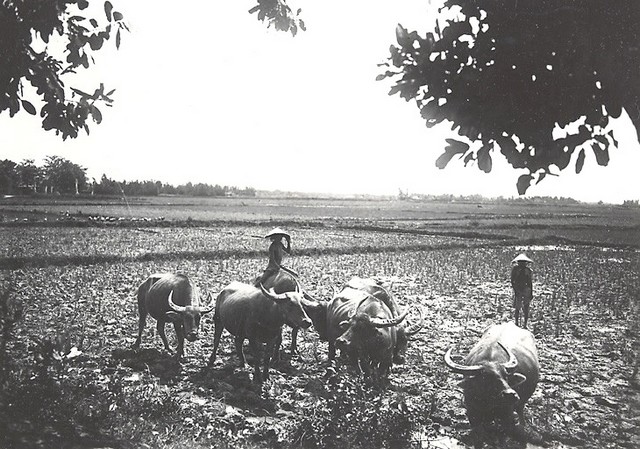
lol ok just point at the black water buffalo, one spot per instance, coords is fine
(522, 284)
(374, 287)
(256, 314)
(500, 374)
(370, 337)
(170, 297)
(342, 308)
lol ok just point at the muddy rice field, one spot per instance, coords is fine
(69, 318)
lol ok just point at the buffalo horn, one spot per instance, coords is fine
(457, 367)
(271, 294)
(513, 362)
(388, 322)
(414, 329)
(366, 296)
(174, 306)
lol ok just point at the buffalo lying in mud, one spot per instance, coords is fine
(256, 314)
(500, 374)
(170, 297)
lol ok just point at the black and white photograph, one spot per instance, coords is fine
(288, 224)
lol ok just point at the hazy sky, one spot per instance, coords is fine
(205, 93)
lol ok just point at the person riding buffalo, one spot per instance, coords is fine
(280, 245)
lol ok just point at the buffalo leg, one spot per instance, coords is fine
(294, 340)
(276, 348)
(217, 333)
(401, 347)
(267, 357)
(383, 373)
(142, 321)
(332, 350)
(257, 349)
(180, 337)
(478, 429)
(163, 336)
(239, 341)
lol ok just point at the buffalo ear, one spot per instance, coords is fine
(516, 379)
(173, 316)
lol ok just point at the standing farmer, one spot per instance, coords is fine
(277, 250)
(522, 283)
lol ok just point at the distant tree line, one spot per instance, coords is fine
(61, 176)
(475, 198)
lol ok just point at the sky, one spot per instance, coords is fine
(206, 93)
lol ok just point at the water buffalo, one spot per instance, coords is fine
(500, 374)
(522, 284)
(343, 305)
(370, 336)
(256, 314)
(170, 297)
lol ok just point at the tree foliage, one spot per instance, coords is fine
(63, 176)
(512, 78)
(279, 14)
(42, 43)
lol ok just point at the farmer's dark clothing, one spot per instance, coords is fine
(277, 249)
(521, 280)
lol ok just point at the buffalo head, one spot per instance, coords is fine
(189, 315)
(489, 386)
(290, 304)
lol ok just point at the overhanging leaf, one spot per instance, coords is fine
(108, 7)
(484, 158)
(454, 147)
(541, 176)
(602, 154)
(28, 107)
(524, 181)
(580, 161)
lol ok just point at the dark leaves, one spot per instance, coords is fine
(278, 14)
(509, 77)
(580, 161)
(108, 7)
(602, 154)
(402, 36)
(484, 158)
(454, 147)
(524, 181)
(28, 107)
(81, 36)
(97, 115)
